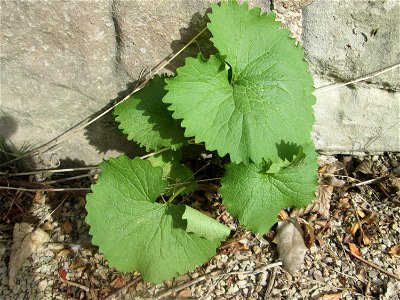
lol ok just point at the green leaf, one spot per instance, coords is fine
(176, 174)
(255, 94)
(146, 119)
(255, 195)
(204, 226)
(135, 233)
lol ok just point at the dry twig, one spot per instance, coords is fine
(124, 288)
(78, 285)
(330, 87)
(215, 275)
(374, 265)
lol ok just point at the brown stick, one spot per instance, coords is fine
(215, 274)
(45, 190)
(78, 285)
(125, 287)
(23, 184)
(374, 266)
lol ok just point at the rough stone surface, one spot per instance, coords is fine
(344, 40)
(357, 120)
(63, 61)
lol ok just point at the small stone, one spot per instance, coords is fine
(233, 289)
(318, 275)
(241, 283)
(223, 258)
(39, 296)
(256, 249)
(21, 296)
(262, 279)
(195, 275)
(47, 226)
(42, 285)
(220, 291)
(394, 226)
(98, 256)
(396, 170)
(329, 260)
(377, 281)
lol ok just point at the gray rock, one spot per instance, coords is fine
(354, 120)
(346, 39)
(64, 61)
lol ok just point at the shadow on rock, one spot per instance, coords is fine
(104, 134)
(202, 44)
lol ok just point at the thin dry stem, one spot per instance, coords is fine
(78, 285)
(334, 86)
(215, 275)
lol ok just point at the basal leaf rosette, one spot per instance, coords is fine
(255, 193)
(135, 233)
(256, 93)
(146, 119)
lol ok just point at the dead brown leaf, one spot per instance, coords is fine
(62, 273)
(77, 263)
(184, 294)
(354, 228)
(291, 247)
(25, 242)
(118, 282)
(395, 250)
(320, 205)
(64, 252)
(365, 167)
(309, 237)
(66, 227)
(235, 246)
(354, 249)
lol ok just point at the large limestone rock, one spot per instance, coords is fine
(344, 40)
(63, 61)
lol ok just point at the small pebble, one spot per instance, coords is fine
(241, 283)
(42, 285)
(233, 289)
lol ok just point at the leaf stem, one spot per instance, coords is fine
(210, 179)
(175, 195)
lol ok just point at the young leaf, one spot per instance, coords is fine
(146, 119)
(203, 226)
(255, 195)
(176, 174)
(255, 94)
(137, 234)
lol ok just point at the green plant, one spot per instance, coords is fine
(253, 101)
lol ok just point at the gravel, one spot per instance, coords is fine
(328, 269)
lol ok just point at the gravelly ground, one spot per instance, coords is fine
(245, 266)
